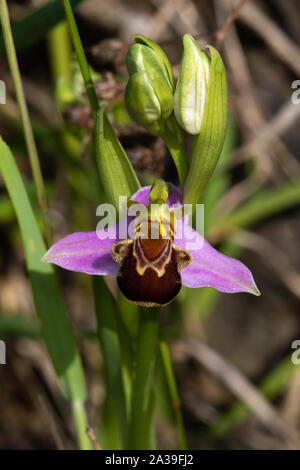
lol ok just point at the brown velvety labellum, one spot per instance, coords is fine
(150, 269)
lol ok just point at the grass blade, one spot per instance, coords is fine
(115, 419)
(57, 331)
(263, 204)
(36, 25)
(81, 57)
(28, 134)
(174, 395)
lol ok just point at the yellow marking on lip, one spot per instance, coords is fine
(142, 263)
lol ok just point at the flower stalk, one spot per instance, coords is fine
(141, 403)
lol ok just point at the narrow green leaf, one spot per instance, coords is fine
(263, 204)
(207, 145)
(173, 391)
(116, 172)
(36, 25)
(80, 54)
(56, 329)
(49, 304)
(27, 129)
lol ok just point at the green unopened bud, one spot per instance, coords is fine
(208, 143)
(191, 88)
(149, 91)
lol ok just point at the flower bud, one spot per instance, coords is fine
(149, 91)
(208, 143)
(191, 87)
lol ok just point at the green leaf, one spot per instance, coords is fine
(36, 25)
(49, 303)
(207, 145)
(220, 181)
(80, 54)
(116, 172)
(263, 204)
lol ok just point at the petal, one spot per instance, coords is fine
(90, 252)
(175, 196)
(85, 252)
(211, 268)
(142, 195)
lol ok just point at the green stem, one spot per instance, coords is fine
(141, 409)
(59, 52)
(173, 137)
(81, 57)
(28, 134)
(110, 346)
(164, 351)
(85, 71)
(79, 417)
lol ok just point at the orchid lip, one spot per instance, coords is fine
(85, 252)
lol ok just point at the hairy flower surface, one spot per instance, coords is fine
(151, 270)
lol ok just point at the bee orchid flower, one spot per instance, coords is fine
(151, 270)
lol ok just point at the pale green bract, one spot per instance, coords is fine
(208, 143)
(116, 173)
(191, 87)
